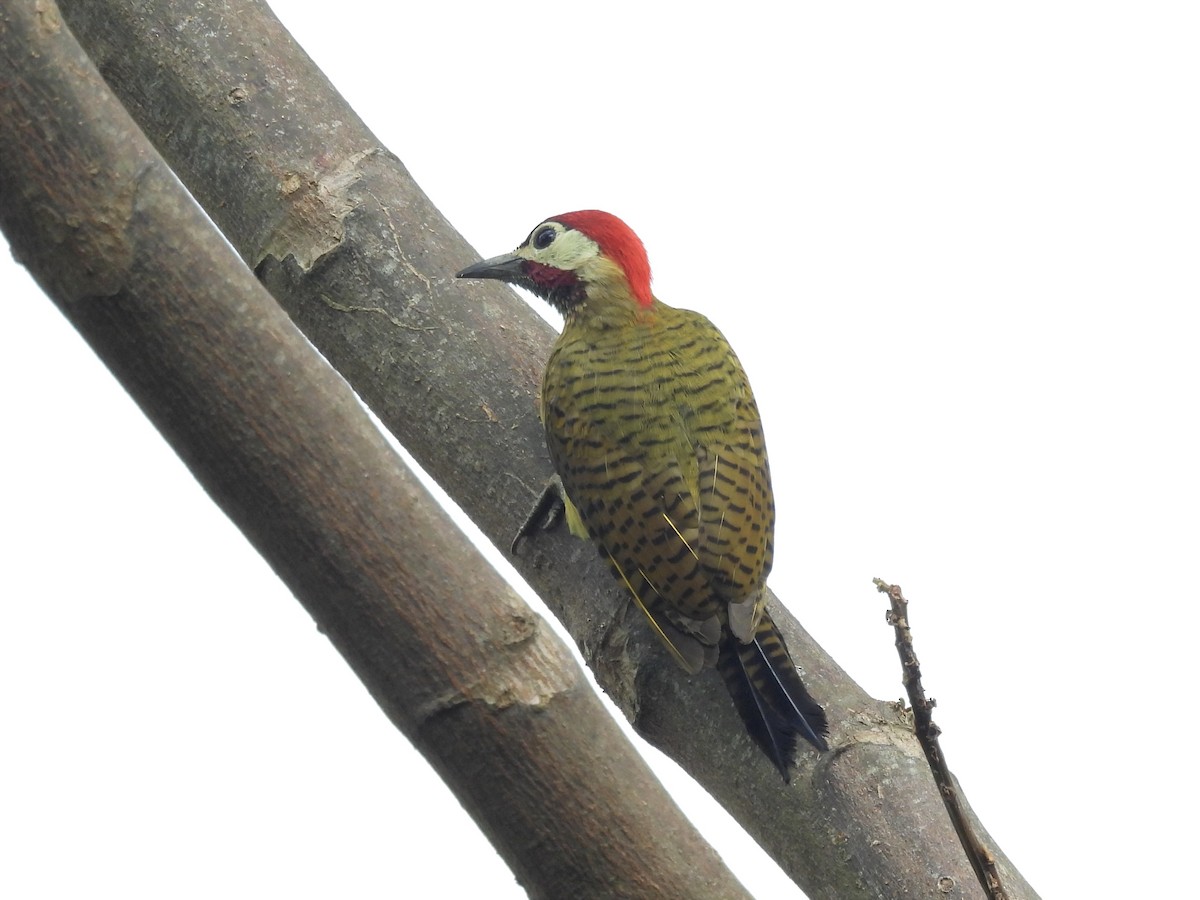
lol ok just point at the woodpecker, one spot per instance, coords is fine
(658, 445)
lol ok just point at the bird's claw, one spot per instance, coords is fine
(546, 513)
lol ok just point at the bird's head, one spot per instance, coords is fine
(575, 258)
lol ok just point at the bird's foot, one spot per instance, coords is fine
(546, 513)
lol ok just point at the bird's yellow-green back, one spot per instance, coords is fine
(654, 431)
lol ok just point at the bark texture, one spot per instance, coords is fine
(363, 262)
(457, 661)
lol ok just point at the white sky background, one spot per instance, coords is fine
(955, 248)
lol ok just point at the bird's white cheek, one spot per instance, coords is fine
(570, 250)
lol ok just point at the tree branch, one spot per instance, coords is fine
(983, 861)
(486, 693)
(362, 261)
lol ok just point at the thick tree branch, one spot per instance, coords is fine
(362, 261)
(457, 661)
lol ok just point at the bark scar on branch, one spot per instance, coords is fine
(531, 678)
(316, 204)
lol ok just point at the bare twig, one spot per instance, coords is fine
(983, 861)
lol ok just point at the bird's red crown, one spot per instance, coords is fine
(618, 242)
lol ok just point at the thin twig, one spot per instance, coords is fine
(983, 861)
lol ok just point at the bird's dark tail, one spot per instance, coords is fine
(770, 696)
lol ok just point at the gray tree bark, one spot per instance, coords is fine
(362, 261)
(459, 663)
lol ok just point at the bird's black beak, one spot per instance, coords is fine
(504, 268)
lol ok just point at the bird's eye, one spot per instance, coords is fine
(544, 238)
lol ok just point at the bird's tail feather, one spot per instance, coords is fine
(770, 695)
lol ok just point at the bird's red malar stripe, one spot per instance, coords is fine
(548, 277)
(619, 243)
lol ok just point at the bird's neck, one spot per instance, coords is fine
(610, 301)
(605, 309)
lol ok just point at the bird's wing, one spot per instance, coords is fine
(644, 515)
(735, 503)
(736, 542)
